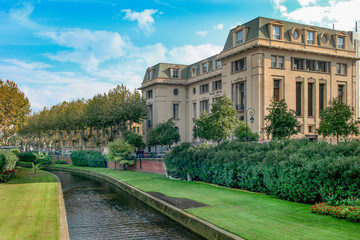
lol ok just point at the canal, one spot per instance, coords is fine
(96, 209)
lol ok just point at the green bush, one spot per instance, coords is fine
(296, 170)
(27, 157)
(7, 165)
(61, 162)
(88, 158)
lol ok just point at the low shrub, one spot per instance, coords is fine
(88, 158)
(61, 162)
(7, 165)
(27, 157)
(350, 213)
(295, 170)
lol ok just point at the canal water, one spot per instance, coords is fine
(96, 209)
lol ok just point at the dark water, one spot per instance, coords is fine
(98, 210)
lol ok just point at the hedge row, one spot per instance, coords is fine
(296, 170)
(7, 165)
(26, 157)
(88, 158)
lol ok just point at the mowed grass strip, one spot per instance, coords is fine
(29, 206)
(246, 214)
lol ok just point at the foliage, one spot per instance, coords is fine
(88, 158)
(349, 213)
(16, 151)
(134, 139)
(337, 120)
(61, 162)
(7, 165)
(44, 159)
(14, 106)
(164, 134)
(120, 150)
(243, 131)
(219, 124)
(296, 170)
(35, 167)
(27, 157)
(280, 122)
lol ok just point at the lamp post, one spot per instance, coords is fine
(251, 112)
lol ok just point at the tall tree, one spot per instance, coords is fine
(164, 134)
(220, 123)
(337, 120)
(281, 122)
(14, 106)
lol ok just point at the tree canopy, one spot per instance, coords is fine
(281, 122)
(243, 131)
(337, 120)
(220, 123)
(164, 134)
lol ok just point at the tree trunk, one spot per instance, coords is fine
(337, 138)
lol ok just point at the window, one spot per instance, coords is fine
(217, 85)
(149, 115)
(310, 37)
(324, 39)
(273, 61)
(341, 93)
(240, 37)
(175, 73)
(195, 110)
(310, 99)
(239, 65)
(194, 90)
(310, 128)
(149, 94)
(204, 67)
(176, 111)
(149, 75)
(341, 42)
(218, 64)
(276, 32)
(310, 65)
(341, 68)
(176, 91)
(298, 98)
(277, 90)
(277, 62)
(321, 97)
(296, 34)
(204, 88)
(298, 129)
(204, 106)
(193, 71)
(238, 96)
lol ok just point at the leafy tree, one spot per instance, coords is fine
(337, 120)
(134, 139)
(220, 123)
(164, 134)
(14, 106)
(118, 152)
(243, 130)
(280, 123)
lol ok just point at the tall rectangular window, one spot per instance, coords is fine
(242, 96)
(149, 116)
(273, 61)
(310, 99)
(175, 73)
(277, 90)
(149, 94)
(218, 64)
(298, 98)
(240, 37)
(204, 88)
(204, 106)
(321, 97)
(276, 32)
(205, 67)
(176, 111)
(341, 42)
(149, 75)
(195, 110)
(310, 37)
(280, 62)
(341, 93)
(217, 85)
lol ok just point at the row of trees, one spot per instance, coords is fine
(102, 117)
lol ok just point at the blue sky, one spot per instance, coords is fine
(59, 50)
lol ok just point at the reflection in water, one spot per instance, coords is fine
(98, 210)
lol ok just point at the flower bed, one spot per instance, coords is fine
(351, 213)
(7, 175)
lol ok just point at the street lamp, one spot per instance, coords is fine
(251, 112)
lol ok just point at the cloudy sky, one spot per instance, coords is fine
(58, 50)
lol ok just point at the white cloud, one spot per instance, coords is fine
(202, 33)
(306, 2)
(190, 54)
(342, 13)
(219, 26)
(144, 18)
(21, 15)
(28, 65)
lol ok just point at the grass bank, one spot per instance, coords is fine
(246, 214)
(29, 206)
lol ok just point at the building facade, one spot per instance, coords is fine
(262, 59)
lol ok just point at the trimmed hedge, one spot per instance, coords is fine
(296, 170)
(7, 165)
(88, 158)
(27, 157)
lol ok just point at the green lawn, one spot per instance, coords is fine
(29, 206)
(249, 215)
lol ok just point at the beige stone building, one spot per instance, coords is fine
(264, 58)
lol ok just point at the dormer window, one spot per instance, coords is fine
(240, 37)
(193, 71)
(296, 34)
(276, 32)
(205, 67)
(175, 73)
(324, 39)
(149, 75)
(218, 64)
(310, 37)
(341, 41)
